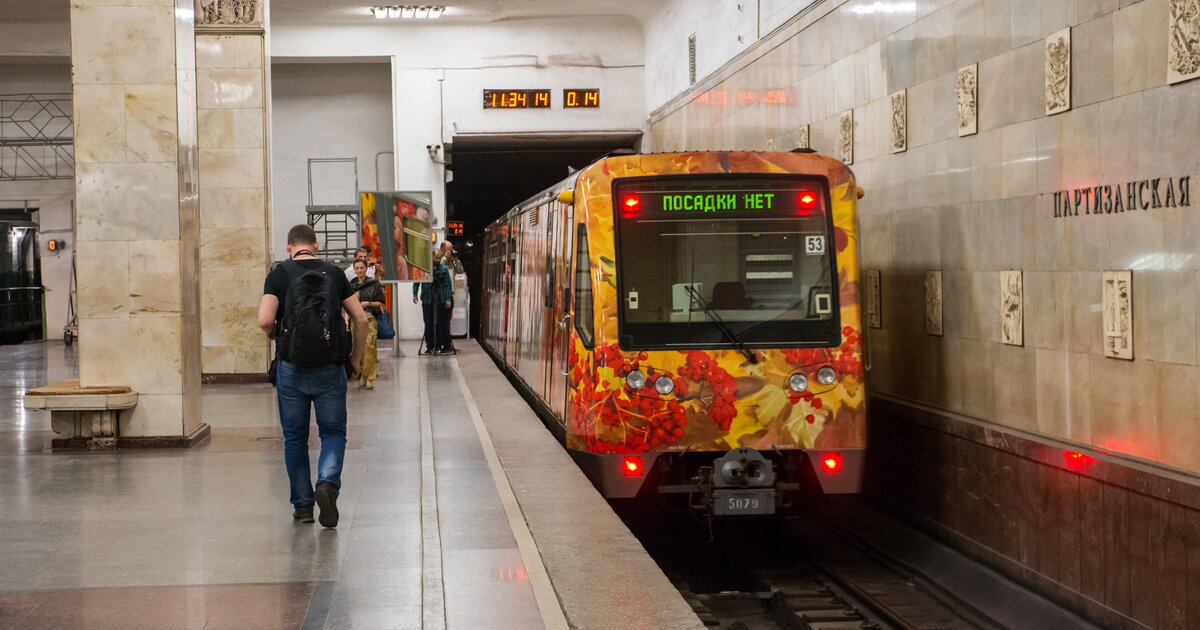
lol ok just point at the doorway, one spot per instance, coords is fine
(21, 291)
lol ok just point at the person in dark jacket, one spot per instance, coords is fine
(370, 295)
(437, 294)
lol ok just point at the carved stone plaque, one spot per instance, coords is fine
(220, 14)
(802, 141)
(1118, 314)
(846, 136)
(1058, 72)
(933, 302)
(899, 121)
(967, 95)
(1012, 309)
(1183, 37)
(874, 299)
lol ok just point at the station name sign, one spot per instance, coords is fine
(1160, 192)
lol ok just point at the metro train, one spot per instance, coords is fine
(689, 325)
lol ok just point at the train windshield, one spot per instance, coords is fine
(725, 261)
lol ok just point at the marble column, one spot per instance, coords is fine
(137, 217)
(232, 81)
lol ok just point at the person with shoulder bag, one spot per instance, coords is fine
(370, 295)
(301, 309)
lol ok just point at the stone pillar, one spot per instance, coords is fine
(233, 100)
(137, 218)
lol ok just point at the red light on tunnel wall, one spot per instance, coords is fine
(631, 466)
(1077, 462)
(831, 463)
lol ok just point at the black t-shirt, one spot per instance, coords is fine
(277, 281)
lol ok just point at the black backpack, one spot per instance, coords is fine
(313, 332)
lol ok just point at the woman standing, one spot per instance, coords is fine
(370, 295)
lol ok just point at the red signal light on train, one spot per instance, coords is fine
(632, 466)
(807, 201)
(831, 463)
(630, 204)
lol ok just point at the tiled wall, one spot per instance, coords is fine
(234, 256)
(972, 207)
(135, 212)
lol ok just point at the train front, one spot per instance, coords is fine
(725, 359)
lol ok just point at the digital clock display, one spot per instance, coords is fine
(516, 99)
(454, 228)
(581, 98)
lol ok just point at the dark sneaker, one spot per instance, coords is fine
(327, 501)
(303, 514)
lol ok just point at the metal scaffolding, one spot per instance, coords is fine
(36, 137)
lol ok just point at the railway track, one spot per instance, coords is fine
(797, 573)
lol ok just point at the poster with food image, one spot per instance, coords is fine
(397, 226)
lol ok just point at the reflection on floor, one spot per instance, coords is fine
(204, 538)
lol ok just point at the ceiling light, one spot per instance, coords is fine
(422, 13)
(393, 12)
(379, 12)
(436, 12)
(408, 12)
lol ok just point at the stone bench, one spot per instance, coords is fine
(82, 416)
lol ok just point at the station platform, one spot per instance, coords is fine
(458, 510)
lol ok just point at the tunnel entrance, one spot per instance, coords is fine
(490, 173)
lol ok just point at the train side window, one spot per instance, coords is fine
(585, 321)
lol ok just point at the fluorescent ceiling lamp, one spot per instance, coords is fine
(408, 12)
(436, 12)
(379, 12)
(422, 13)
(393, 12)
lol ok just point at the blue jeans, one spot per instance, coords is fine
(323, 388)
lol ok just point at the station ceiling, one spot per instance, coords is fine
(470, 11)
(357, 11)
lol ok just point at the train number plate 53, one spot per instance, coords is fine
(734, 502)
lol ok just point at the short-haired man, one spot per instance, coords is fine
(304, 386)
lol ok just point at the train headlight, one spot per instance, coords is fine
(664, 385)
(636, 379)
(798, 382)
(827, 375)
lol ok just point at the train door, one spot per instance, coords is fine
(560, 292)
(512, 308)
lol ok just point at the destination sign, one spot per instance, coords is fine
(800, 201)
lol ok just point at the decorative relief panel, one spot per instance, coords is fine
(802, 141)
(846, 136)
(874, 299)
(1012, 309)
(967, 95)
(1118, 314)
(933, 302)
(1183, 54)
(1058, 72)
(229, 13)
(900, 121)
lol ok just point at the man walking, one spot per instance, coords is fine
(301, 309)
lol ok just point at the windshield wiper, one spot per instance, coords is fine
(720, 324)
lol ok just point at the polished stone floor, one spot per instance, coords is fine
(204, 538)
